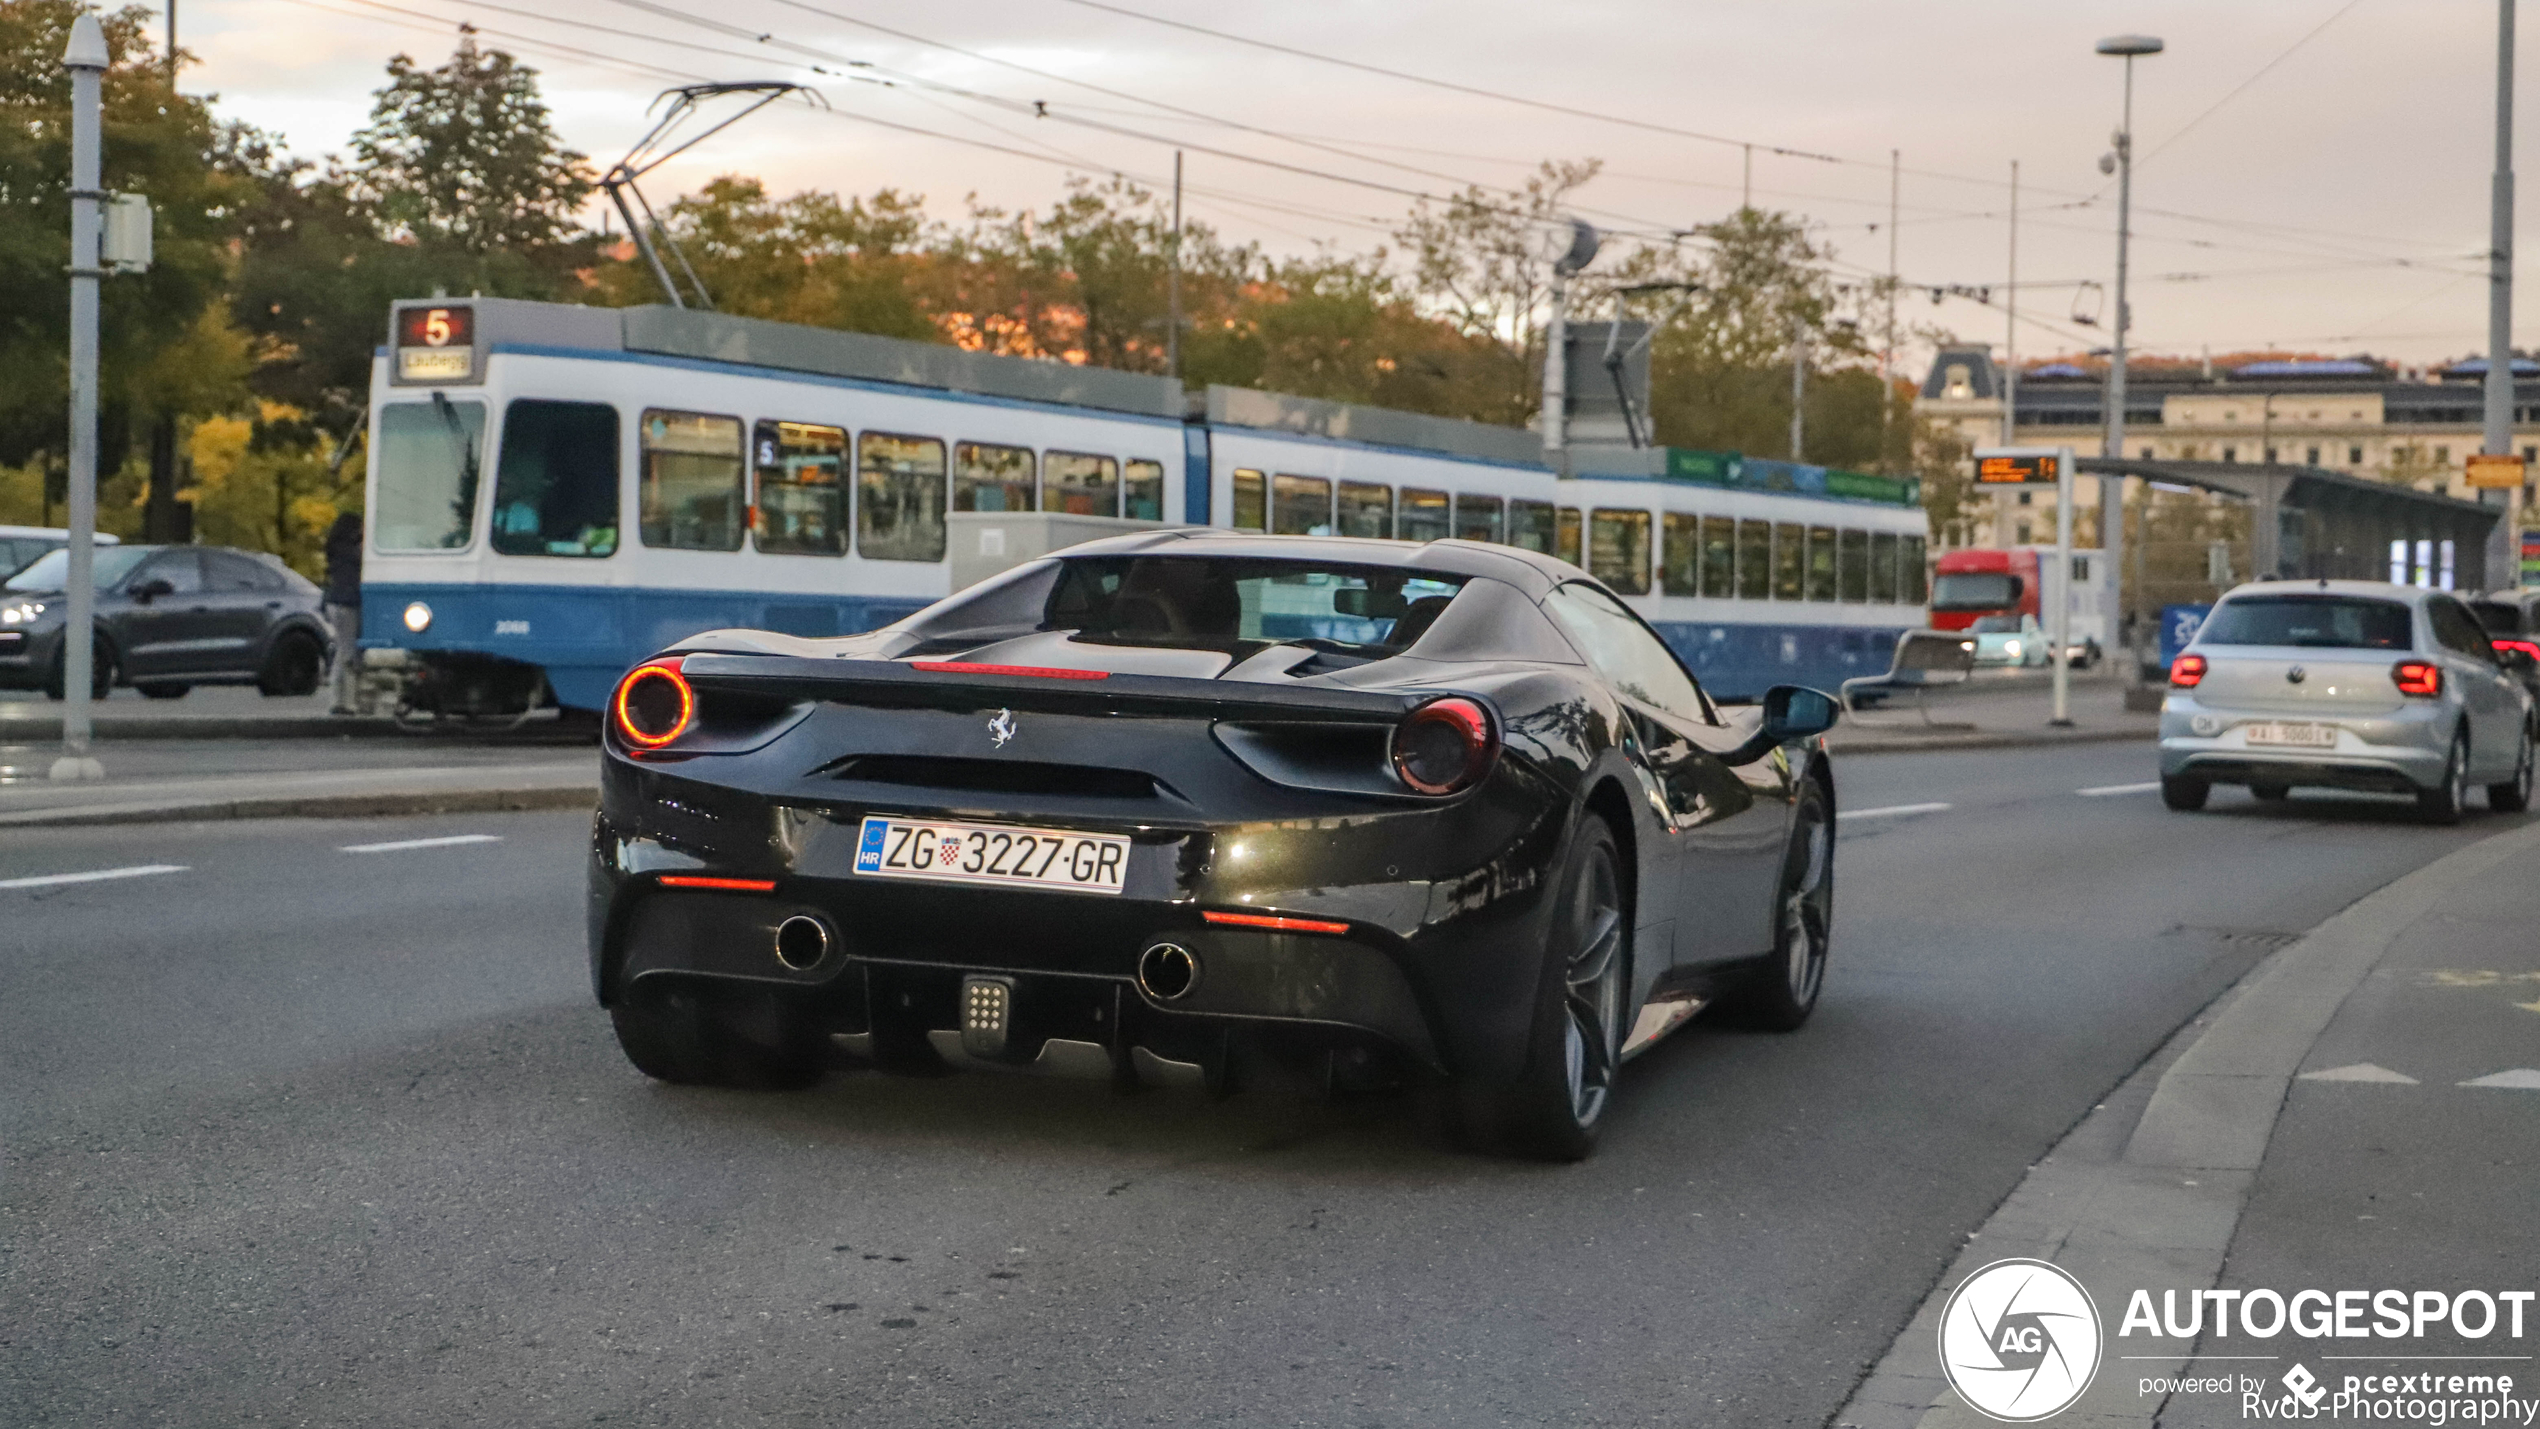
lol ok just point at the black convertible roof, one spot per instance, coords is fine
(1534, 574)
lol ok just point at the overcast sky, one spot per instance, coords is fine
(2314, 173)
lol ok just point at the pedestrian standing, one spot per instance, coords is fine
(344, 607)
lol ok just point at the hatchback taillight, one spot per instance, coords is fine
(2417, 677)
(2518, 647)
(1444, 746)
(2186, 671)
(654, 704)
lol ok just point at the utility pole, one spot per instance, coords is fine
(1746, 194)
(2112, 486)
(171, 46)
(1173, 280)
(86, 59)
(1799, 391)
(2011, 323)
(1887, 358)
(2504, 549)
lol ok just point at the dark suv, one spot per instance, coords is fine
(170, 618)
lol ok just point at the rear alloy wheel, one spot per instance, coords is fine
(295, 666)
(1556, 1105)
(682, 1036)
(2184, 792)
(2514, 795)
(1781, 999)
(2443, 803)
(162, 690)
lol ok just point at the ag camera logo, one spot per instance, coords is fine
(2019, 1340)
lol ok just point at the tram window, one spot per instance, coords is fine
(993, 478)
(691, 494)
(1531, 526)
(1618, 549)
(1913, 578)
(1142, 491)
(555, 486)
(1852, 563)
(1300, 506)
(1252, 501)
(1565, 543)
(1366, 509)
(1680, 553)
(428, 465)
(1790, 562)
(1081, 485)
(1824, 578)
(1422, 516)
(1719, 557)
(1883, 567)
(899, 506)
(802, 489)
(1754, 560)
(1479, 518)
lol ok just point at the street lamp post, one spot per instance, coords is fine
(2112, 486)
(86, 59)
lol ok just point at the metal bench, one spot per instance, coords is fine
(1923, 658)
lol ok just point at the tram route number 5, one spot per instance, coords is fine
(436, 343)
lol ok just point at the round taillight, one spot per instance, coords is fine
(1444, 746)
(654, 703)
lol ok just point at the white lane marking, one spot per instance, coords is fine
(1891, 809)
(2107, 790)
(401, 845)
(2521, 1079)
(2361, 1072)
(54, 880)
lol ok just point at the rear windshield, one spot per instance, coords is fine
(1220, 603)
(2343, 622)
(2497, 617)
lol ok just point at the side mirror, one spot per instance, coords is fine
(1791, 713)
(152, 589)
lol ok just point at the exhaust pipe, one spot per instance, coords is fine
(1167, 972)
(801, 942)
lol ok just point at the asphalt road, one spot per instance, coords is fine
(304, 1136)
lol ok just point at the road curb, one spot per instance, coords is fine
(314, 806)
(2147, 1190)
(1943, 742)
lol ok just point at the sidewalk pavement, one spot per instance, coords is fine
(2357, 1114)
(218, 712)
(148, 783)
(1997, 709)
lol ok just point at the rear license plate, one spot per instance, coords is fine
(983, 853)
(2292, 734)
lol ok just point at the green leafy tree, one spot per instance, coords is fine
(163, 344)
(1481, 262)
(464, 157)
(859, 265)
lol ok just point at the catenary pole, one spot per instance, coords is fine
(1887, 356)
(2504, 549)
(1173, 281)
(86, 59)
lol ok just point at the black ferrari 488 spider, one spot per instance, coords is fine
(1173, 805)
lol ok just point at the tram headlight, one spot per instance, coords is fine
(418, 617)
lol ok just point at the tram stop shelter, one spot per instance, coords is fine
(2306, 521)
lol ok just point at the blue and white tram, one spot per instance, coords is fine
(798, 480)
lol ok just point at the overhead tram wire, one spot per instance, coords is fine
(417, 20)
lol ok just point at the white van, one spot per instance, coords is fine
(21, 545)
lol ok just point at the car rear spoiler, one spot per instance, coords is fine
(955, 685)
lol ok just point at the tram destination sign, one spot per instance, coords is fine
(2019, 466)
(436, 342)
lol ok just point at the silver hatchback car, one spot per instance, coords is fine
(2346, 685)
